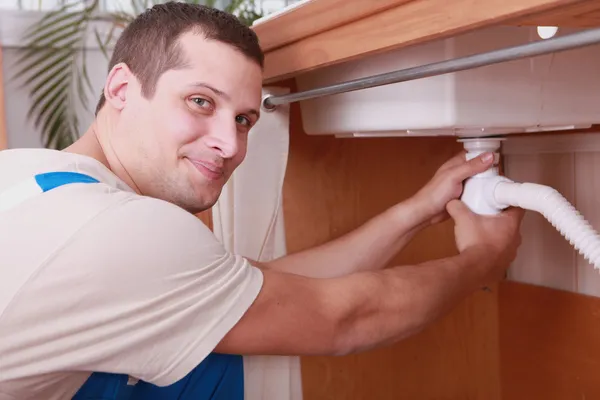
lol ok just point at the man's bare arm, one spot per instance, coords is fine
(296, 315)
(371, 246)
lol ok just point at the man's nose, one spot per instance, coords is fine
(222, 138)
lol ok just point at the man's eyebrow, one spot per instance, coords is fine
(217, 91)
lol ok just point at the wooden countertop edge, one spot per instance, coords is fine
(314, 17)
(421, 21)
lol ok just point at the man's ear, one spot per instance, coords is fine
(115, 89)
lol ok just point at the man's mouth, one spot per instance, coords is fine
(209, 170)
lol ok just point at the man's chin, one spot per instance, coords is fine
(204, 201)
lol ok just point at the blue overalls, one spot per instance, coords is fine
(217, 377)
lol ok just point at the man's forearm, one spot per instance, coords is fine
(369, 247)
(387, 306)
(296, 315)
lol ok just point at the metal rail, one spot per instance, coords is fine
(556, 44)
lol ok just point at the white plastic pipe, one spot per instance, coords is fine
(488, 193)
(557, 210)
(497, 193)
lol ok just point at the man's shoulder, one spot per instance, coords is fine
(16, 164)
(19, 164)
(145, 240)
(109, 199)
(156, 213)
(152, 223)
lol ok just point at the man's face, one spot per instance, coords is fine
(183, 144)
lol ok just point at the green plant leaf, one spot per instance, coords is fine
(58, 34)
(57, 131)
(43, 52)
(58, 101)
(59, 95)
(83, 79)
(50, 20)
(50, 78)
(39, 98)
(49, 25)
(50, 118)
(47, 66)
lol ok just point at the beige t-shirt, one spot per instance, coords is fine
(94, 277)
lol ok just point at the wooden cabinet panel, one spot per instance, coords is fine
(332, 186)
(314, 17)
(456, 358)
(548, 343)
(406, 24)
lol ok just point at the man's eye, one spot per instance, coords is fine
(201, 102)
(240, 119)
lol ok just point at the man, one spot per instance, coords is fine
(106, 270)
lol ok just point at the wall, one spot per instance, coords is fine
(569, 163)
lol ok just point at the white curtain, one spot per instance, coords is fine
(248, 219)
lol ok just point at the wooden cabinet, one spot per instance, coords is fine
(332, 186)
(517, 341)
(322, 32)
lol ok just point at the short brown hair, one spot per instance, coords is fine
(148, 45)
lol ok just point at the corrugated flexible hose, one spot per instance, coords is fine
(556, 209)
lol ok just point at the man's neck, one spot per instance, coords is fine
(89, 145)
(95, 143)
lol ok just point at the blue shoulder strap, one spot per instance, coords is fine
(35, 185)
(217, 377)
(52, 180)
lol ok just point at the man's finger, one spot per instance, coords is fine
(481, 163)
(457, 159)
(458, 209)
(515, 212)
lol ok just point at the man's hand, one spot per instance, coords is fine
(447, 185)
(495, 239)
